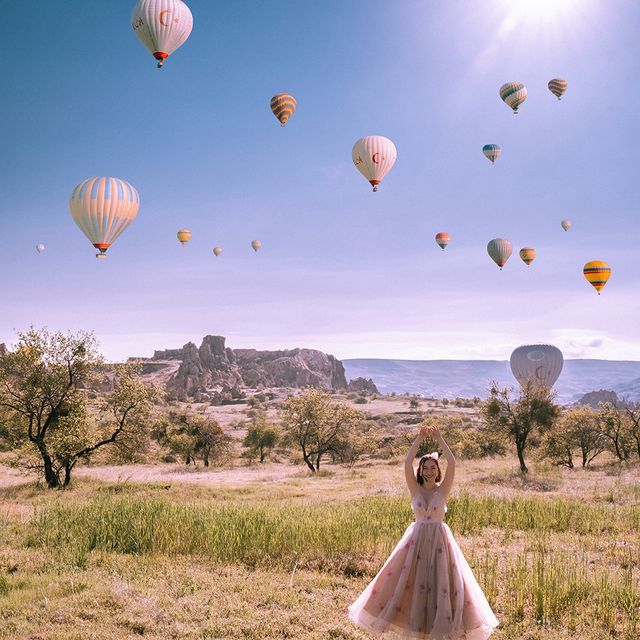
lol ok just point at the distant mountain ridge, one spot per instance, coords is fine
(469, 378)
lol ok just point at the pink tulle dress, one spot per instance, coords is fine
(426, 588)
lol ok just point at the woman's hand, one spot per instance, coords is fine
(427, 430)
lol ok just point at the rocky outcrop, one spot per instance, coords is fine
(594, 399)
(212, 367)
(362, 385)
(168, 354)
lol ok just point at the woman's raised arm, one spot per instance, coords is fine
(409, 475)
(447, 482)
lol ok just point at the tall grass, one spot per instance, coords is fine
(543, 585)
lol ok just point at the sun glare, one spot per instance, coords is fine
(529, 11)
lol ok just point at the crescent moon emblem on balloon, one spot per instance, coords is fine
(373, 158)
(537, 374)
(161, 17)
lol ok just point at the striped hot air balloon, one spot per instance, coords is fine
(162, 26)
(539, 364)
(374, 156)
(558, 86)
(103, 208)
(492, 151)
(443, 239)
(256, 244)
(566, 224)
(527, 255)
(597, 273)
(217, 251)
(500, 251)
(513, 94)
(283, 106)
(184, 235)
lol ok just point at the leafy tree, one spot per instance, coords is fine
(616, 427)
(523, 419)
(261, 437)
(45, 384)
(633, 420)
(578, 428)
(193, 435)
(317, 425)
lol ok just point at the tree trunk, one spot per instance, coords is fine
(261, 454)
(520, 450)
(318, 462)
(67, 475)
(50, 476)
(305, 457)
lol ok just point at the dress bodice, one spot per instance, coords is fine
(429, 510)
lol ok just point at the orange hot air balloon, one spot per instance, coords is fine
(443, 239)
(283, 106)
(184, 235)
(217, 251)
(597, 273)
(527, 255)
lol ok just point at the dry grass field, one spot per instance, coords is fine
(268, 551)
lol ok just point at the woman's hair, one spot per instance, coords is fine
(419, 477)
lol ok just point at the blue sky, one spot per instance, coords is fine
(342, 269)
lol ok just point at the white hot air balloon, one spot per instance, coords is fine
(500, 251)
(539, 363)
(566, 224)
(162, 26)
(217, 251)
(256, 244)
(374, 156)
(40, 247)
(103, 208)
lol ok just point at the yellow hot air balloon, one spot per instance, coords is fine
(256, 244)
(527, 255)
(217, 251)
(103, 208)
(597, 273)
(283, 106)
(184, 235)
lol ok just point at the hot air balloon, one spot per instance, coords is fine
(283, 106)
(184, 235)
(492, 151)
(443, 239)
(513, 94)
(566, 224)
(374, 156)
(103, 208)
(597, 272)
(558, 86)
(40, 248)
(162, 26)
(539, 364)
(256, 244)
(500, 251)
(527, 255)
(217, 251)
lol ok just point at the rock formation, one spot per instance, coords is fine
(212, 367)
(362, 385)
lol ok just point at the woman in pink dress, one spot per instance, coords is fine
(426, 589)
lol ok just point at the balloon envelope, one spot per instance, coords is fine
(566, 224)
(541, 364)
(217, 251)
(283, 106)
(184, 235)
(558, 86)
(597, 273)
(374, 156)
(443, 239)
(162, 26)
(40, 248)
(527, 255)
(500, 251)
(492, 151)
(103, 208)
(513, 94)
(256, 244)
